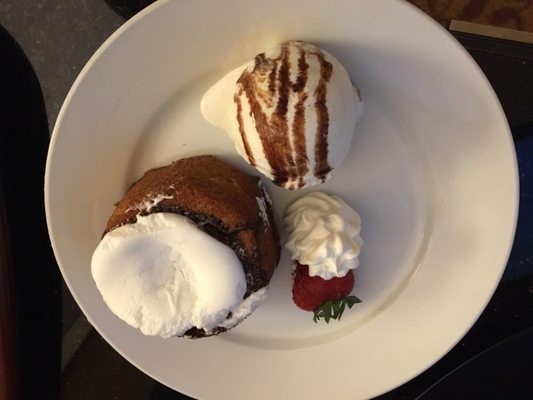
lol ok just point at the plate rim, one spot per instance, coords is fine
(134, 20)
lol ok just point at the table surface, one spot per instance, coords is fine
(59, 36)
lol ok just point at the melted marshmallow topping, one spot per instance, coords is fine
(164, 276)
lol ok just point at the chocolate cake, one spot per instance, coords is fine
(223, 201)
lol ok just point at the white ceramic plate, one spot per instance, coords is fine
(432, 172)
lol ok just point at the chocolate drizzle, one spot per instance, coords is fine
(279, 127)
(269, 86)
(298, 124)
(244, 139)
(322, 167)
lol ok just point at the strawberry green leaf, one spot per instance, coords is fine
(351, 300)
(333, 309)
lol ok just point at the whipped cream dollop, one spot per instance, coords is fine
(323, 233)
(291, 113)
(163, 275)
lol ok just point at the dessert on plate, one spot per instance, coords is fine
(189, 250)
(324, 242)
(291, 113)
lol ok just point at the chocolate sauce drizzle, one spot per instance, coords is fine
(287, 155)
(298, 124)
(322, 167)
(247, 149)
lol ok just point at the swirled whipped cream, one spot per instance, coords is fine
(323, 233)
(291, 113)
(163, 275)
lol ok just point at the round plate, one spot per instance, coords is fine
(432, 172)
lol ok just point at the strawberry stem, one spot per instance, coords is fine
(333, 309)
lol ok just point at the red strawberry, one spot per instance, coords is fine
(327, 298)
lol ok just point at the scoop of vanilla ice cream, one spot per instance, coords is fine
(164, 276)
(291, 113)
(323, 233)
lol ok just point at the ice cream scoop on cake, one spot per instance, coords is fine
(189, 250)
(291, 113)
